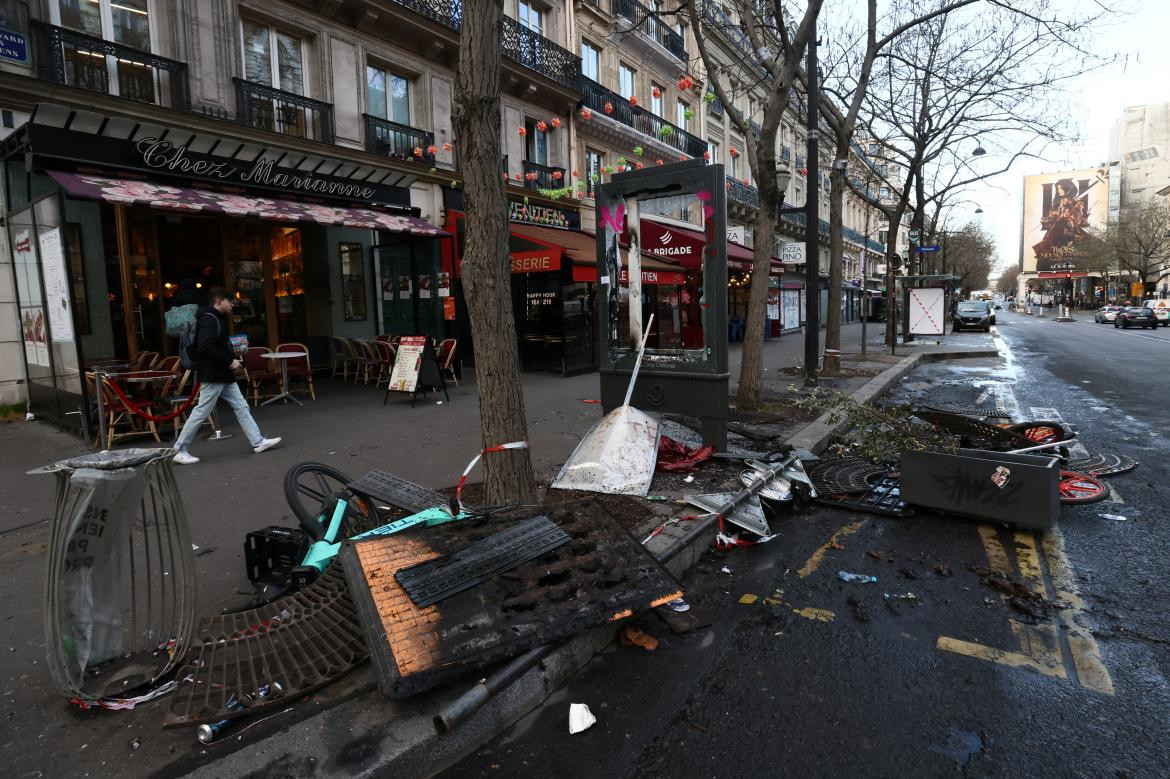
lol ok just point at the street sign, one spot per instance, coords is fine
(928, 249)
(914, 234)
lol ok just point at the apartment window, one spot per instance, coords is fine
(884, 193)
(751, 108)
(387, 95)
(735, 166)
(535, 143)
(531, 17)
(652, 19)
(713, 148)
(590, 61)
(121, 21)
(883, 236)
(680, 114)
(626, 76)
(656, 91)
(273, 57)
(592, 171)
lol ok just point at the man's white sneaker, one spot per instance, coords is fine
(266, 444)
(185, 458)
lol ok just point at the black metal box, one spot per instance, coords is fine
(1022, 489)
(273, 552)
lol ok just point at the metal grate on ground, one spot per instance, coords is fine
(601, 575)
(270, 655)
(884, 497)
(979, 412)
(397, 491)
(1103, 464)
(844, 475)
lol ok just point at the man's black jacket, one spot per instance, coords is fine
(213, 350)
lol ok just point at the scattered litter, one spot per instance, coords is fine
(689, 479)
(725, 569)
(591, 400)
(747, 599)
(906, 573)
(194, 547)
(678, 604)
(909, 596)
(205, 550)
(1114, 517)
(657, 498)
(942, 569)
(580, 718)
(879, 554)
(675, 456)
(438, 402)
(855, 578)
(632, 636)
(836, 546)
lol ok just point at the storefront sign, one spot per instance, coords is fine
(660, 240)
(792, 253)
(527, 213)
(541, 298)
(535, 262)
(404, 377)
(13, 45)
(656, 277)
(735, 234)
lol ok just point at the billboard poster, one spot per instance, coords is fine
(1059, 209)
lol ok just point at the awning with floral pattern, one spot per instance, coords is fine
(166, 197)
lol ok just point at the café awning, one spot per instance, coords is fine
(686, 247)
(204, 201)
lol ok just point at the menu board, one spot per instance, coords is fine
(404, 377)
(56, 286)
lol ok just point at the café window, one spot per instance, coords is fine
(592, 171)
(353, 281)
(75, 264)
(387, 95)
(273, 57)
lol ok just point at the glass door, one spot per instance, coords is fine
(244, 251)
(288, 281)
(146, 305)
(397, 279)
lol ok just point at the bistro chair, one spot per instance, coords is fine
(144, 361)
(259, 372)
(179, 397)
(170, 364)
(447, 359)
(119, 417)
(342, 356)
(386, 356)
(298, 367)
(383, 338)
(360, 358)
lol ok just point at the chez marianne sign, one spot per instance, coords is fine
(165, 158)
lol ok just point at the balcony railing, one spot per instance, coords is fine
(537, 176)
(715, 105)
(287, 113)
(521, 45)
(398, 141)
(597, 96)
(786, 153)
(732, 33)
(645, 20)
(741, 193)
(83, 61)
(538, 53)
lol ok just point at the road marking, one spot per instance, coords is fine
(996, 555)
(817, 615)
(1000, 656)
(1133, 335)
(814, 562)
(1082, 646)
(1029, 562)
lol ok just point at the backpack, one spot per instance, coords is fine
(188, 351)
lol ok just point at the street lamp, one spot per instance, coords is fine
(979, 210)
(979, 150)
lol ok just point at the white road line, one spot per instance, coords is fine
(1134, 335)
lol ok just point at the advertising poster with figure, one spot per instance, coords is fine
(56, 286)
(32, 311)
(1059, 209)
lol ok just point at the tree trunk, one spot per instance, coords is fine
(831, 365)
(891, 279)
(487, 277)
(751, 369)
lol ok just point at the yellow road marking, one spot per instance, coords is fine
(1013, 659)
(820, 615)
(996, 556)
(747, 598)
(1086, 654)
(814, 562)
(1028, 560)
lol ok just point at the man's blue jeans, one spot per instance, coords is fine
(208, 395)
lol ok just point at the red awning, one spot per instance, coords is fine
(686, 247)
(202, 201)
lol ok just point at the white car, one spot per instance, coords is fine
(1106, 314)
(1161, 310)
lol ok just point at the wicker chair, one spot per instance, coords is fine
(298, 367)
(259, 371)
(446, 358)
(342, 356)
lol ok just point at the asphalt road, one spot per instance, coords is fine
(800, 673)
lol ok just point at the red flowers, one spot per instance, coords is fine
(418, 151)
(707, 156)
(685, 82)
(557, 175)
(633, 100)
(432, 149)
(747, 183)
(446, 147)
(505, 175)
(608, 107)
(734, 151)
(659, 162)
(638, 165)
(586, 114)
(804, 172)
(576, 174)
(521, 132)
(542, 126)
(656, 92)
(555, 122)
(530, 176)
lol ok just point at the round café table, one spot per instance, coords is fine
(283, 358)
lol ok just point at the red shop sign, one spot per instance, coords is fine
(656, 277)
(538, 261)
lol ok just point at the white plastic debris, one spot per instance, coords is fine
(1114, 517)
(689, 479)
(580, 718)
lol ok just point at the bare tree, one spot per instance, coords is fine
(1008, 280)
(1138, 245)
(968, 253)
(778, 42)
(508, 476)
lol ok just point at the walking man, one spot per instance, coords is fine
(215, 365)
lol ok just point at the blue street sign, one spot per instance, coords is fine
(928, 248)
(13, 45)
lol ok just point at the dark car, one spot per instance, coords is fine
(973, 314)
(1136, 316)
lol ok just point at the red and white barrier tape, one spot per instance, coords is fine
(463, 478)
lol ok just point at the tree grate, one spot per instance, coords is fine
(884, 497)
(843, 476)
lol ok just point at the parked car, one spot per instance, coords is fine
(1161, 310)
(1136, 316)
(974, 314)
(1106, 314)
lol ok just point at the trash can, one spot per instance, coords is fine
(1022, 489)
(119, 599)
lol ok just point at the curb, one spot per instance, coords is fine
(355, 739)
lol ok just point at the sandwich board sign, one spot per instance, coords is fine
(416, 368)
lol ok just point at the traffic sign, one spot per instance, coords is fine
(928, 248)
(914, 234)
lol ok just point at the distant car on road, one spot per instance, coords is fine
(973, 314)
(1136, 316)
(1161, 308)
(1106, 314)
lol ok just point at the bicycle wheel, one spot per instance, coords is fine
(1080, 488)
(312, 491)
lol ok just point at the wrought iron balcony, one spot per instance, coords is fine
(732, 33)
(538, 53)
(537, 176)
(398, 141)
(620, 110)
(521, 45)
(741, 193)
(287, 113)
(715, 105)
(646, 22)
(83, 61)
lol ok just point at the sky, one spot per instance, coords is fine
(1141, 76)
